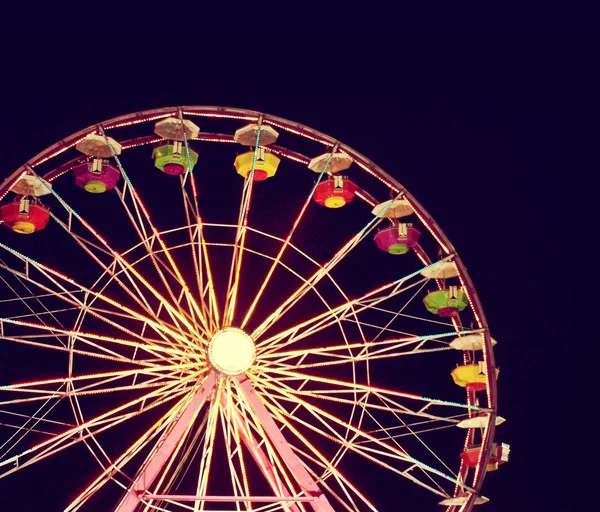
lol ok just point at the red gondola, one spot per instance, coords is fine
(25, 215)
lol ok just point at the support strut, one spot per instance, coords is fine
(165, 447)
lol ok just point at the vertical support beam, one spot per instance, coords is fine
(165, 447)
(307, 484)
(262, 461)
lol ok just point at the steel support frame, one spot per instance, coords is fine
(165, 447)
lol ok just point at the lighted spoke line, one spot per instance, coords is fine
(406, 434)
(8, 320)
(119, 258)
(384, 448)
(278, 239)
(226, 427)
(228, 409)
(154, 255)
(240, 452)
(106, 417)
(326, 395)
(38, 300)
(91, 435)
(339, 360)
(293, 272)
(413, 317)
(140, 298)
(186, 339)
(273, 340)
(150, 346)
(213, 314)
(286, 242)
(25, 275)
(120, 359)
(114, 276)
(73, 398)
(49, 395)
(39, 315)
(47, 272)
(37, 421)
(79, 416)
(361, 323)
(233, 418)
(275, 460)
(240, 238)
(73, 339)
(236, 485)
(246, 422)
(397, 444)
(454, 419)
(195, 447)
(77, 411)
(323, 482)
(214, 305)
(315, 278)
(191, 443)
(365, 306)
(169, 337)
(399, 312)
(31, 297)
(208, 446)
(148, 470)
(324, 270)
(353, 405)
(196, 241)
(157, 381)
(27, 429)
(278, 412)
(102, 422)
(394, 439)
(139, 205)
(214, 308)
(146, 240)
(382, 346)
(81, 240)
(344, 441)
(324, 319)
(116, 466)
(34, 417)
(184, 460)
(352, 387)
(209, 288)
(24, 386)
(179, 316)
(243, 426)
(147, 243)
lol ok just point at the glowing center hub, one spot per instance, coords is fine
(231, 351)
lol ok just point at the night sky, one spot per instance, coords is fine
(479, 133)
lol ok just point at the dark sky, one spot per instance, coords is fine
(481, 133)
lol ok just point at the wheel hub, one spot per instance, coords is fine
(231, 351)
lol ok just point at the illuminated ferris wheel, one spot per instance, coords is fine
(222, 310)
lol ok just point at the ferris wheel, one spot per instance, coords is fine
(223, 310)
